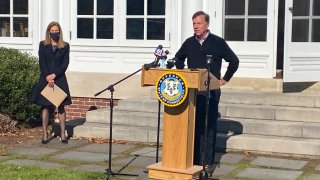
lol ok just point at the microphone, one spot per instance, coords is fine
(160, 56)
(158, 52)
(163, 59)
(171, 63)
(209, 59)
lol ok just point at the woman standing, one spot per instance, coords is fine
(53, 61)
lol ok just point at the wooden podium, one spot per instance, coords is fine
(179, 126)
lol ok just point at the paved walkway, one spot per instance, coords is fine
(133, 159)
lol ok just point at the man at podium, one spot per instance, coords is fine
(196, 50)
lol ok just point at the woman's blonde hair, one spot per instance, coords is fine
(47, 40)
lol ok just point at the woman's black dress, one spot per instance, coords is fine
(56, 62)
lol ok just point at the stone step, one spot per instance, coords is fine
(145, 103)
(274, 144)
(247, 142)
(264, 84)
(270, 98)
(129, 118)
(269, 127)
(250, 120)
(230, 96)
(242, 107)
(119, 132)
(139, 120)
(269, 112)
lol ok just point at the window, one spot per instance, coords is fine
(145, 19)
(245, 20)
(95, 19)
(120, 21)
(14, 18)
(306, 21)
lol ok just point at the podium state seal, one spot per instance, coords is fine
(171, 89)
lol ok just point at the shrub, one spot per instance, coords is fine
(19, 73)
(7, 124)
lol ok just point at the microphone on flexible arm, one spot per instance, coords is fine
(161, 57)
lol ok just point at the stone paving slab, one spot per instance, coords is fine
(83, 156)
(312, 177)
(228, 158)
(147, 151)
(274, 174)
(56, 143)
(27, 162)
(104, 148)
(136, 161)
(279, 163)
(33, 151)
(141, 175)
(317, 168)
(223, 170)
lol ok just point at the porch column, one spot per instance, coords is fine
(188, 9)
(49, 11)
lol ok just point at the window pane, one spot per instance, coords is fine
(85, 28)
(156, 7)
(105, 28)
(135, 7)
(257, 29)
(135, 28)
(85, 7)
(316, 7)
(301, 7)
(235, 7)
(20, 27)
(234, 29)
(258, 7)
(316, 30)
(4, 27)
(105, 7)
(300, 30)
(156, 29)
(20, 6)
(5, 7)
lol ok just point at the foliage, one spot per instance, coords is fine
(18, 75)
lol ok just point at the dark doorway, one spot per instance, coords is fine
(280, 41)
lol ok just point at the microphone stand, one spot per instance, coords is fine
(158, 135)
(158, 132)
(203, 173)
(109, 171)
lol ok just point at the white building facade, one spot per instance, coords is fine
(112, 38)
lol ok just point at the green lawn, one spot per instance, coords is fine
(13, 172)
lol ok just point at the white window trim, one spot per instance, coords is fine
(19, 40)
(246, 18)
(119, 29)
(310, 17)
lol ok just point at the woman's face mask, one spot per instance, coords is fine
(55, 36)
